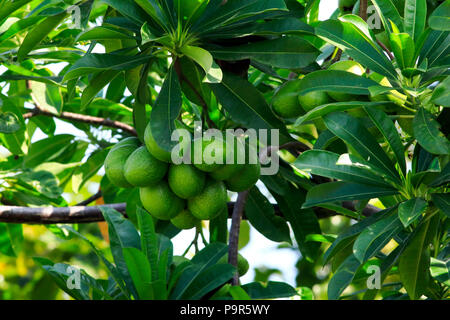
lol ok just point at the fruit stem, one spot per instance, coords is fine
(236, 219)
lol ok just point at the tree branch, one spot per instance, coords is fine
(82, 118)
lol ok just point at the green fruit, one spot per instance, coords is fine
(242, 264)
(208, 204)
(313, 99)
(161, 202)
(349, 66)
(142, 169)
(115, 163)
(285, 101)
(204, 158)
(153, 147)
(186, 181)
(132, 141)
(185, 220)
(245, 178)
(226, 172)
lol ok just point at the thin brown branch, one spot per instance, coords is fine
(391, 56)
(236, 219)
(363, 9)
(89, 200)
(82, 118)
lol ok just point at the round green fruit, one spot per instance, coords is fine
(131, 141)
(186, 181)
(153, 147)
(226, 172)
(161, 202)
(142, 169)
(313, 99)
(245, 178)
(115, 163)
(208, 204)
(185, 220)
(242, 264)
(208, 155)
(348, 66)
(285, 102)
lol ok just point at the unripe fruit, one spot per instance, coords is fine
(204, 157)
(115, 163)
(185, 220)
(226, 172)
(242, 264)
(161, 202)
(131, 141)
(153, 147)
(142, 169)
(245, 178)
(313, 99)
(186, 181)
(349, 66)
(208, 204)
(285, 101)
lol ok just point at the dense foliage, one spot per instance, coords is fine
(360, 102)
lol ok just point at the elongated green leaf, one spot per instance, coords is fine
(353, 132)
(140, 272)
(402, 45)
(343, 277)
(343, 191)
(247, 105)
(205, 60)
(375, 237)
(48, 97)
(387, 11)
(11, 239)
(19, 26)
(414, 263)
(166, 110)
(210, 279)
(441, 95)
(356, 44)
(86, 171)
(442, 201)
(410, 210)
(390, 134)
(129, 9)
(261, 215)
(286, 52)
(148, 239)
(329, 164)
(11, 6)
(269, 290)
(103, 33)
(9, 123)
(443, 178)
(47, 149)
(95, 85)
(427, 133)
(440, 270)
(39, 33)
(95, 62)
(415, 17)
(440, 18)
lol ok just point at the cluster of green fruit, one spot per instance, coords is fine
(288, 103)
(185, 194)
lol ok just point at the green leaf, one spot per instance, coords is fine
(87, 170)
(344, 191)
(427, 133)
(205, 60)
(238, 293)
(356, 44)
(261, 215)
(441, 94)
(140, 272)
(39, 33)
(387, 128)
(415, 17)
(11, 239)
(387, 11)
(331, 165)
(95, 62)
(442, 178)
(343, 277)
(247, 106)
(19, 26)
(402, 45)
(98, 82)
(286, 52)
(43, 182)
(218, 228)
(122, 234)
(440, 18)
(442, 201)
(414, 263)
(47, 149)
(103, 33)
(410, 210)
(375, 237)
(149, 240)
(269, 290)
(129, 9)
(440, 270)
(9, 123)
(354, 132)
(48, 97)
(166, 110)
(11, 6)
